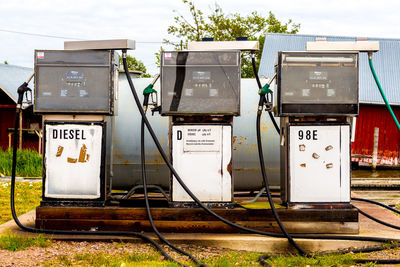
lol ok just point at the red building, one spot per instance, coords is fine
(11, 77)
(378, 116)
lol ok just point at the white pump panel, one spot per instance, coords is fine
(72, 160)
(201, 154)
(319, 163)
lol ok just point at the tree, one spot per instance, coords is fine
(137, 65)
(227, 27)
(5, 62)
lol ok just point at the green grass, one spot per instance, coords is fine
(327, 260)
(27, 197)
(228, 258)
(14, 242)
(29, 163)
(104, 259)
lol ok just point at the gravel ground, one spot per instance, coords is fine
(38, 256)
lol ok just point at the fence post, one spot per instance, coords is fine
(375, 150)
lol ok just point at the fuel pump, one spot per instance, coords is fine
(200, 91)
(317, 95)
(76, 92)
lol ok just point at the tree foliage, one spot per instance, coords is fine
(135, 64)
(227, 27)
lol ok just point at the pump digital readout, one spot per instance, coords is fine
(75, 81)
(316, 83)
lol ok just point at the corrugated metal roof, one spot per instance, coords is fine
(386, 63)
(11, 77)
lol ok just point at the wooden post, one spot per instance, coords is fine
(375, 150)
(9, 140)
(20, 130)
(39, 134)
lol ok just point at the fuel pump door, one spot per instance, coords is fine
(201, 154)
(319, 163)
(73, 160)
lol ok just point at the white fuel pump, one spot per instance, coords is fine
(317, 95)
(76, 92)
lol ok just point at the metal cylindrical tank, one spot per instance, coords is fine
(246, 167)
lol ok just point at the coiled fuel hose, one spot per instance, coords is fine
(21, 90)
(209, 211)
(371, 66)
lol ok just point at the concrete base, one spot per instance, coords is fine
(249, 242)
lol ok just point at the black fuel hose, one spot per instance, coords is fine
(262, 163)
(374, 218)
(61, 232)
(266, 184)
(376, 203)
(146, 198)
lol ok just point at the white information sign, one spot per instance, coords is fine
(201, 138)
(73, 160)
(202, 156)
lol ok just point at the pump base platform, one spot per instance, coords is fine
(196, 220)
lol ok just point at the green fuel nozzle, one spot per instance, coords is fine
(149, 90)
(265, 90)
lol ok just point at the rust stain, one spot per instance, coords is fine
(302, 147)
(83, 157)
(315, 156)
(234, 142)
(254, 169)
(117, 155)
(329, 165)
(229, 167)
(59, 151)
(303, 165)
(71, 160)
(264, 126)
(328, 148)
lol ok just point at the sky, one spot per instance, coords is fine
(147, 21)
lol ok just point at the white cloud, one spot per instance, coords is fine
(148, 21)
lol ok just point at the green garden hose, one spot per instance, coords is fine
(381, 91)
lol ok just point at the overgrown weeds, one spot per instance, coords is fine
(29, 163)
(13, 242)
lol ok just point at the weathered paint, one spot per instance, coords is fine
(372, 116)
(70, 172)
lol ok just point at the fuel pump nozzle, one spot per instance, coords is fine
(24, 89)
(266, 96)
(150, 91)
